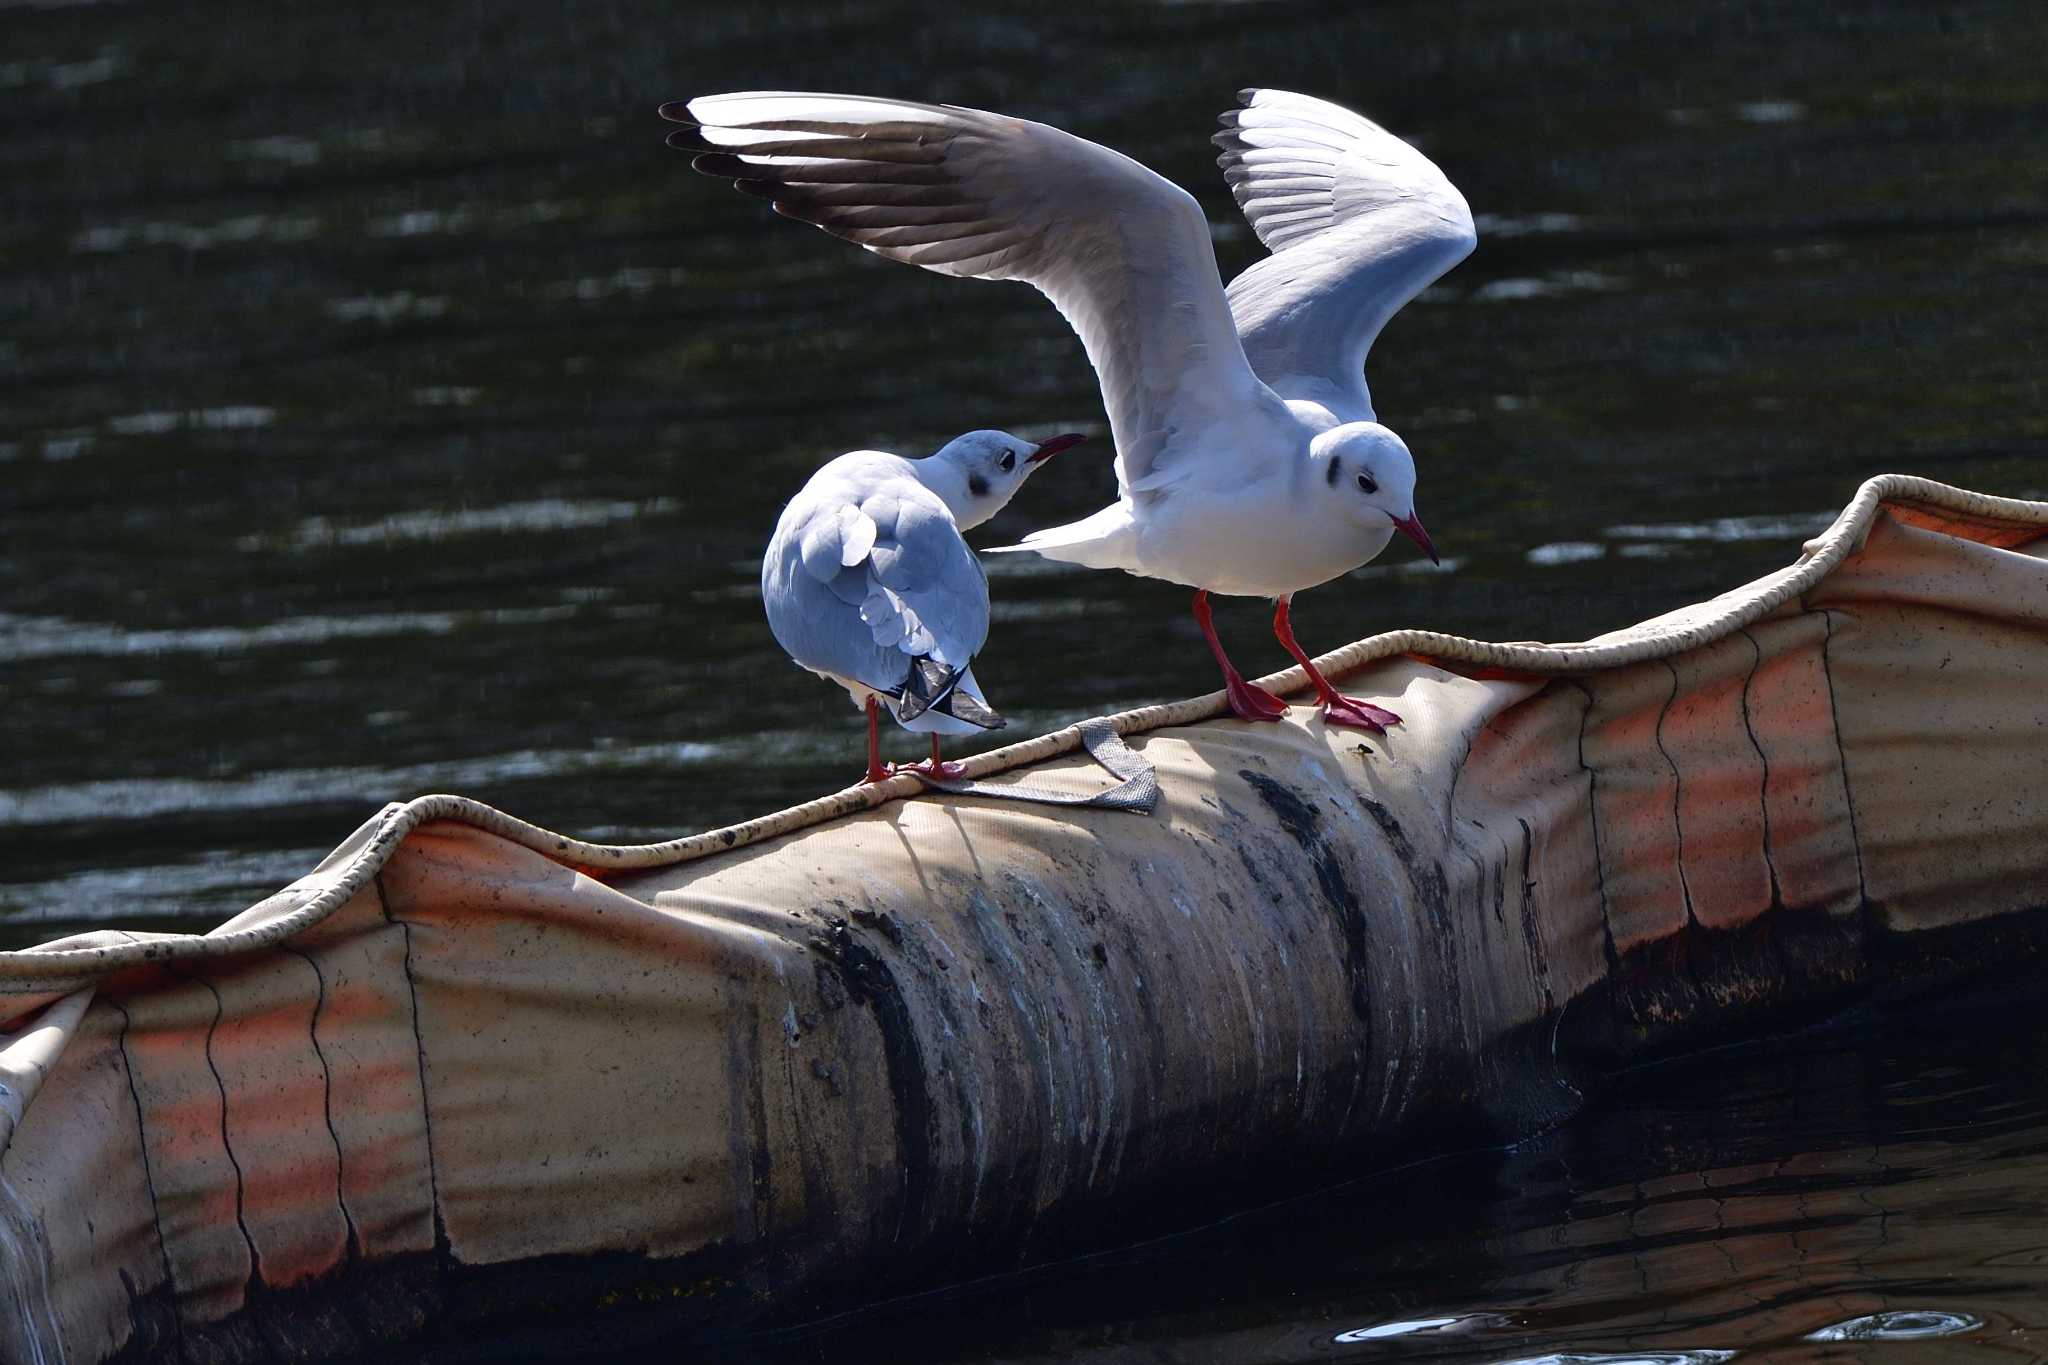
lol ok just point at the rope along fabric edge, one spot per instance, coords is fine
(45, 970)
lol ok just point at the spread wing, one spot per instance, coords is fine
(861, 583)
(1123, 253)
(1358, 222)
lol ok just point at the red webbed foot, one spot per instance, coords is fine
(1252, 702)
(931, 770)
(1356, 714)
(1247, 702)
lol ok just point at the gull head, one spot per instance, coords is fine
(978, 473)
(1368, 472)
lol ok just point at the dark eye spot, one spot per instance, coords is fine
(1008, 462)
(1368, 483)
(1336, 468)
(977, 485)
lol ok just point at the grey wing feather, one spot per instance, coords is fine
(1358, 222)
(933, 593)
(834, 541)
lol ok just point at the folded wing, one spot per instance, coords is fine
(1358, 222)
(1124, 254)
(882, 583)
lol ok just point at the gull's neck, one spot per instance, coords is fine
(948, 482)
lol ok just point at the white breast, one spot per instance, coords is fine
(1266, 540)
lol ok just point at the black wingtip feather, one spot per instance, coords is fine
(1248, 94)
(688, 140)
(960, 706)
(932, 686)
(929, 684)
(1230, 118)
(678, 111)
(718, 163)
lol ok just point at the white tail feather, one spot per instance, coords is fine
(1106, 540)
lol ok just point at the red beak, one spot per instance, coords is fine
(1411, 527)
(1047, 449)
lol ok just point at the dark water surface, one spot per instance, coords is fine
(384, 409)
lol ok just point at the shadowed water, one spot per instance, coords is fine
(384, 409)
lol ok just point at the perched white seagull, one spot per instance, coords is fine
(1248, 457)
(867, 582)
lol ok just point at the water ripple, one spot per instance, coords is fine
(1624, 1358)
(157, 889)
(541, 514)
(1906, 1324)
(1724, 530)
(144, 798)
(42, 637)
(1411, 1327)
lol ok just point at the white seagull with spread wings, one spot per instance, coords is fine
(1249, 460)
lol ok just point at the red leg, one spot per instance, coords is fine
(1247, 701)
(934, 767)
(1338, 709)
(876, 771)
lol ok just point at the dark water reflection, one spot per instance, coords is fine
(1877, 1190)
